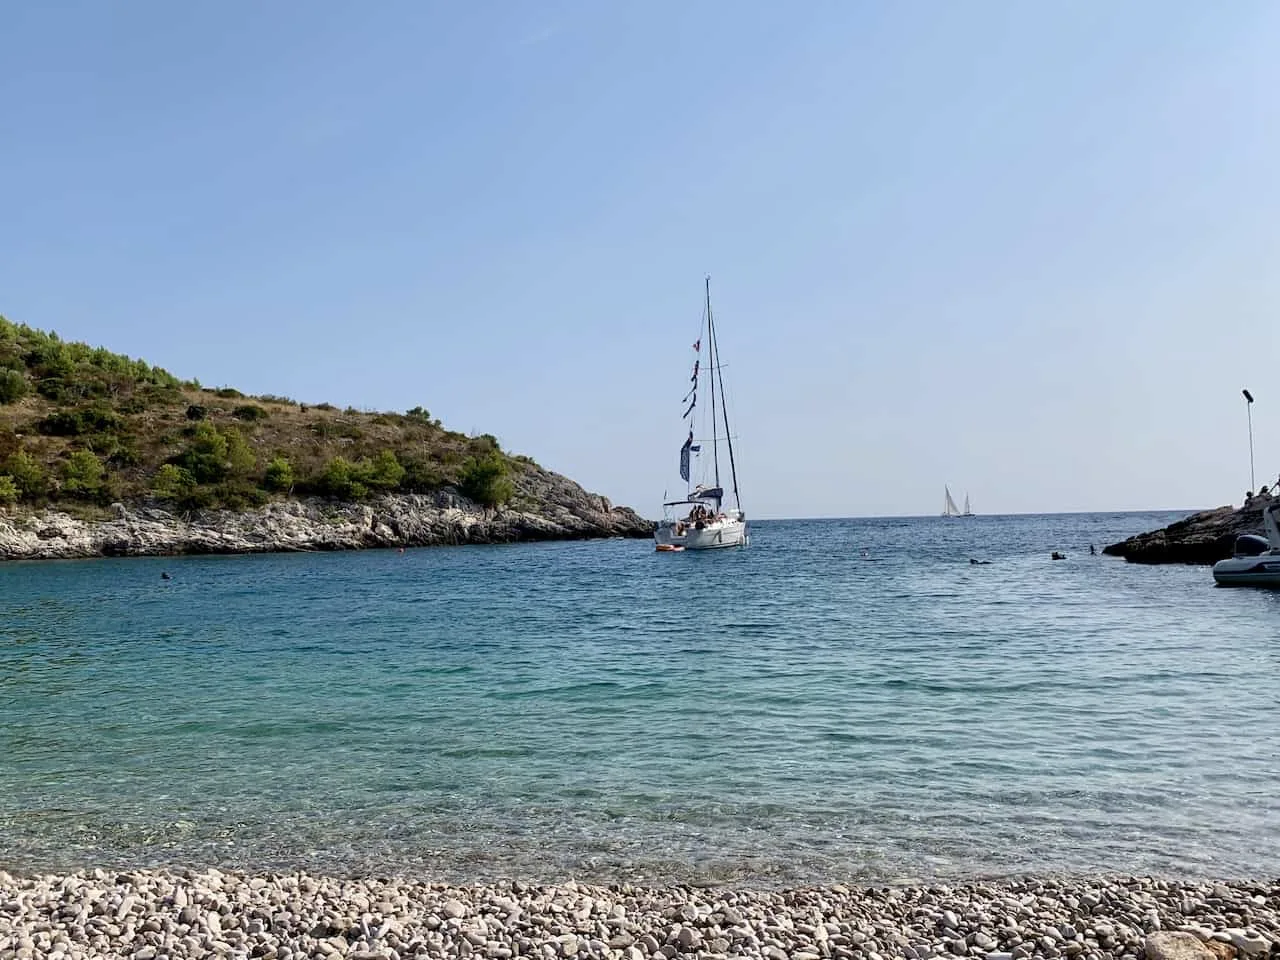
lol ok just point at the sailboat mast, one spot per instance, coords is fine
(724, 410)
(711, 359)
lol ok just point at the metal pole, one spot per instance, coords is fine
(1248, 406)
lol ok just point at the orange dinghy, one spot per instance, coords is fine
(669, 548)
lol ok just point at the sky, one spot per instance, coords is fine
(1026, 250)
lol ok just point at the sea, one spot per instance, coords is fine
(843, 701)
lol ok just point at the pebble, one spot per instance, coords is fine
(1247, 943)
(1174, 945)
(688, 939)
(150, 915)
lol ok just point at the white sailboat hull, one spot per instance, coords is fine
(715, 534)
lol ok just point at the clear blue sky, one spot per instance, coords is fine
(1026, 249)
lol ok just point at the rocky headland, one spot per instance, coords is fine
(546, 506)
(1204, 537)
(149, 915)
(106, 455)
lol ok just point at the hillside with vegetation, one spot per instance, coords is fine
(82, 428)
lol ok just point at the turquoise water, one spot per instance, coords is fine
(793, 712)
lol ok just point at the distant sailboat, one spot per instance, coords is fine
(707, 525)
(967, 511)
(949, 508)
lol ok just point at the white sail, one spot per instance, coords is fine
(968, 512)
(949, 508)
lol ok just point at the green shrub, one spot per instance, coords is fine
(276, 398)
(250, 412)
(199, 497)
(197, 412)
(237, 495)
(13, 386)
(8, 490)
(85, 421)
(421, 476)
(49, 358)
(61, 423)
(240, 456)
(155, 394)
(212, 456)
(229, 393)
(341, 481)
(205, 457)
(384, 472)
(325, 406)
(172, 482)
(279, 475)
(56, 390)
(83, 476)
(484, 480)
(420, 414)
(124, 453)
(30, 477)
(344, 480)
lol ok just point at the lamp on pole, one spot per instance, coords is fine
(1248, 406)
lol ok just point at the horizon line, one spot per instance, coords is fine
(978, 516)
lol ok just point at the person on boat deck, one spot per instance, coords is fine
(699, 512)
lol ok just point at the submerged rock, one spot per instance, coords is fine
(1204, 537)
(547, 506)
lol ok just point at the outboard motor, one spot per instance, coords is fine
(1251, 545)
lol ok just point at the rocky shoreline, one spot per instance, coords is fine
(1202, 538)
(547, 507)
(149, 915)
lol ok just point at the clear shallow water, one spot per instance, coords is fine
(789, 713)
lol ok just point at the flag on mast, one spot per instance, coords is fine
(684, 458)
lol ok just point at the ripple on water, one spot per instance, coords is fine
(787, 713)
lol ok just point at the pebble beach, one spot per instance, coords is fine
(160, 914)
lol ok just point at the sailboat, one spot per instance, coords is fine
(949, 508)
(700, 521)
(967, 511)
